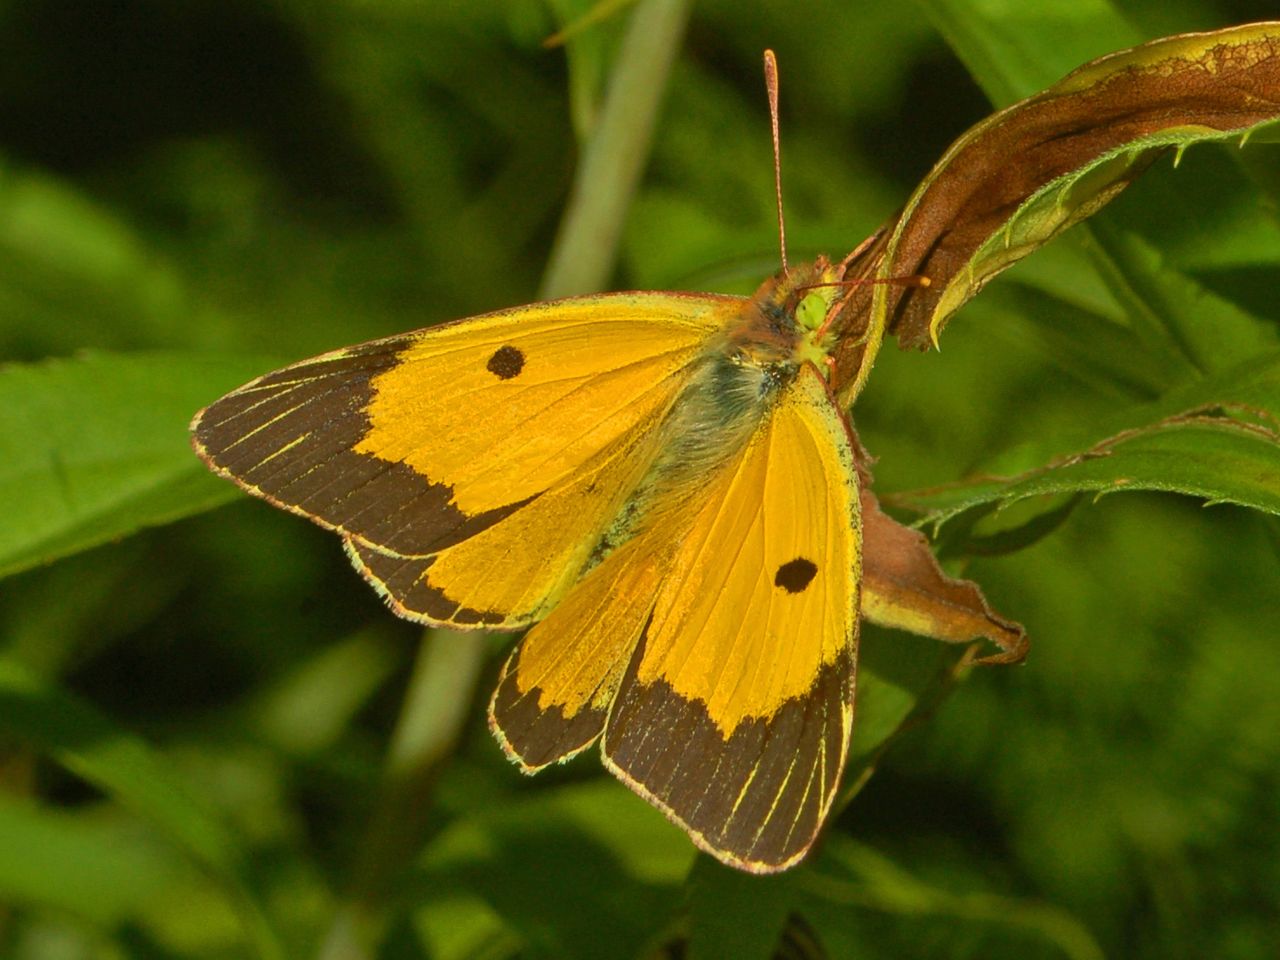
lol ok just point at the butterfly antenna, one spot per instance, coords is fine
(771, 85)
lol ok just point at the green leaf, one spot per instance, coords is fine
(1102, 353)
(1214, 457)
(91, 746)
(1171, 312)
(902, 677)
(93, 448)
(1212, 437)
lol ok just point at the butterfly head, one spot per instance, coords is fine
(790, 325)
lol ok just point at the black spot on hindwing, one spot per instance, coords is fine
(795, 575)
(506, 363)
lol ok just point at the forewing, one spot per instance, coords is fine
(443, 454)
(735, 712)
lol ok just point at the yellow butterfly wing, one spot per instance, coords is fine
(554, 694)
(473, 467)
(716, 651)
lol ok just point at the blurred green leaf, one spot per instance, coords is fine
(1009, 59)
(736, 915)
(855, 875)
(901, 678)
(73, 271)
(81, 864)
(615, 861)
(95, 447)
(1103, 354)
(306, 711)
(92, 747)
(463, 926)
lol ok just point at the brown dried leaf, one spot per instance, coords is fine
(903, 587)
(1028, 172)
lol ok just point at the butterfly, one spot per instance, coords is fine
(664, 490)
(661, 486)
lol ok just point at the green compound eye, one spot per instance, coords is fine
(812, 311)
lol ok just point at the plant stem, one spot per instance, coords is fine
(437, 703)
(586, 247)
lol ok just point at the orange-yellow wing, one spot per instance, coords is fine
(556, 688)
(471, 467)
(735, 714)
(716, 651)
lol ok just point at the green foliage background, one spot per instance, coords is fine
(215, 742)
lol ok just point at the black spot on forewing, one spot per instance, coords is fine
(795, 575)
(506, 363)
